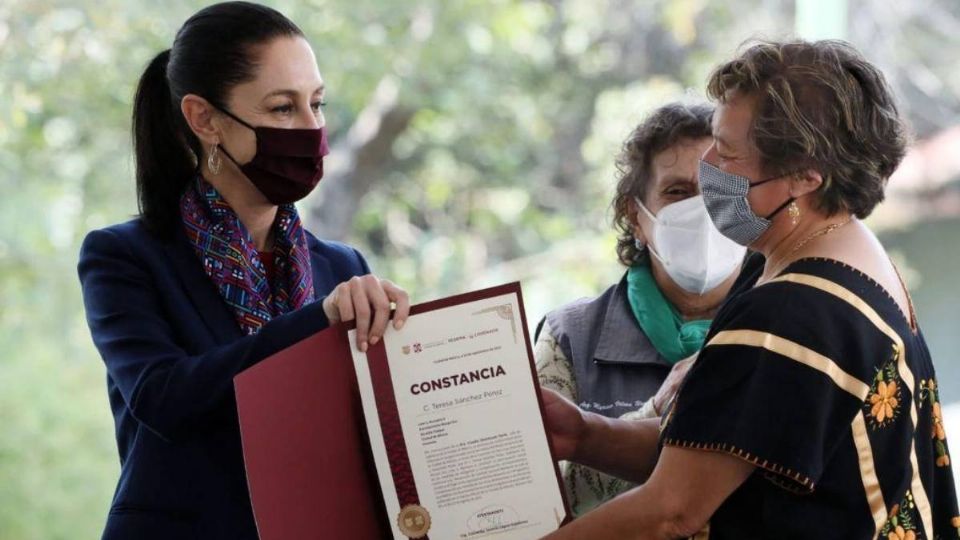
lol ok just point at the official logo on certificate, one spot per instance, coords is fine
(414, 521)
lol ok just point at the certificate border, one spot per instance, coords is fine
(491, 292)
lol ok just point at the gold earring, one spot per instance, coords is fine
(214, 160)
(794, 212)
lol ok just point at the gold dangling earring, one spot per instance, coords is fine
(214, 160)
(794, 212)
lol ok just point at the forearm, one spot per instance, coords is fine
(623, 448)
(166, 386)
(170, 391)
(588, 488)
(634, 515)
(682, 493)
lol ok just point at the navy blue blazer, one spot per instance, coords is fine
(172, 347)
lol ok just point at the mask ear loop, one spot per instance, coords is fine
(782, 206)
(241, 122)
(653, 218)
(224, 150)
(235, 117)
(640, 205)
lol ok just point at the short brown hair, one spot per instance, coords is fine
(821, 105)
(665, 127)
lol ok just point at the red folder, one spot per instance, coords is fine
(305, 447)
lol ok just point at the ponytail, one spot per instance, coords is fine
(163, 163)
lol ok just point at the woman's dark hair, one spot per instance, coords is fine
(820, 105)
(664, 128)
(214, 51)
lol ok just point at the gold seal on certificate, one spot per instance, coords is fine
(414, 521)
(455, 421)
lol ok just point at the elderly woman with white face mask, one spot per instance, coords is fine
(611, 354)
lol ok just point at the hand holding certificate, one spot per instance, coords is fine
(455, 422)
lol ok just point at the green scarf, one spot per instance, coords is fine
(674, 338)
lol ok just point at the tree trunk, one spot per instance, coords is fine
(356, 161)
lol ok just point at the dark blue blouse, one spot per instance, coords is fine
(818, 379)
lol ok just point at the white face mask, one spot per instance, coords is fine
(695, 255)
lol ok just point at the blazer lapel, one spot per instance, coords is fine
(203, 294)
(323, 282)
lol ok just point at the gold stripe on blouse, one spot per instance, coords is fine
(825, 285)
(796, 352)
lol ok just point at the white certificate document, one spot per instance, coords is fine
(455, 422)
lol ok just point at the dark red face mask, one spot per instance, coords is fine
(288, 163)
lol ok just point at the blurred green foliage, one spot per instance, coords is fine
(473, 144)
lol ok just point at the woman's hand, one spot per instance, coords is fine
(368, 300)
(672, 383)
(566, 424)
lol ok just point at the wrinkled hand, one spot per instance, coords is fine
(566, 425)
(368, 300)
(672, 383)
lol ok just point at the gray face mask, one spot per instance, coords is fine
(725, 196)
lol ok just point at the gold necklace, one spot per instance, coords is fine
(820, 232)
(815, 234)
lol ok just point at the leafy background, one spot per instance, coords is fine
(473, 144)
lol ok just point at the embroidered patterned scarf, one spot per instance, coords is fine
(230, 258)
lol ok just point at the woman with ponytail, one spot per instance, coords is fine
(216, 273)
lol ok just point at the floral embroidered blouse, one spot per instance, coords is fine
(818, 379)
